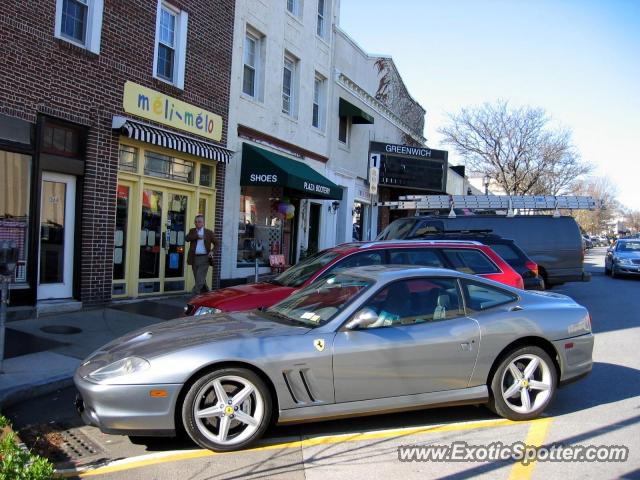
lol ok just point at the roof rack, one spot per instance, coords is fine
(491, 202)
(420, 240)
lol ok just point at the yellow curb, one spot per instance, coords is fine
(164, 457)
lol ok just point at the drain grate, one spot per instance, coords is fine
(78, 446)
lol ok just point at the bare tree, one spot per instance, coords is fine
(633, 220)
(516, 147)
(608, 207)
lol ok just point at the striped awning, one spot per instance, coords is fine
(175, 141)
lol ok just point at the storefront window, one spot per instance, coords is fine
(120, 240)
(15, 181)
(206, 175)
(260, 226)
(164, 166)
(128, 158)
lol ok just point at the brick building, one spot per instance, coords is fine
(113, 127)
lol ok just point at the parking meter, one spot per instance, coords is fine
(257, 250)
(8, 261)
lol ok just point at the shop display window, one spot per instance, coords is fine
(164, 166)
(128, 159)
(260, 226)
(15, 182)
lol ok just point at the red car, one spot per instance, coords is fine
(465, 256)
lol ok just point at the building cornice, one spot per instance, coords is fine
(380, 108)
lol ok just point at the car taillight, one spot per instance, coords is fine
(533, 266)
(589, 319)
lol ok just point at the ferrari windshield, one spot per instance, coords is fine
(302, 271)
(319, 302)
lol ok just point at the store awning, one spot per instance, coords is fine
(175, 141)
(346, 109)
(267, 169)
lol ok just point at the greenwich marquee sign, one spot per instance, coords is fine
(409, 167)
(161, 108)
(407, 151)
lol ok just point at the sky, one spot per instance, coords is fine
(579, 60)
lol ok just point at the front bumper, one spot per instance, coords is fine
(626, 269)
(127, 409)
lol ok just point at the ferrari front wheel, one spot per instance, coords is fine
(227, 409)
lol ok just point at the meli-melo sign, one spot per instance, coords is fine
(156, 106)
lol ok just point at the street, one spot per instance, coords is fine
(602, 410)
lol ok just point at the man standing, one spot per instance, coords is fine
(202, 246)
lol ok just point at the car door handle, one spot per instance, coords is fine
(517, 308)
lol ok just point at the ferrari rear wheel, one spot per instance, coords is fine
(227, 409)
(524, 383)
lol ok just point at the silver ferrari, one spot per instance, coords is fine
(374, 339)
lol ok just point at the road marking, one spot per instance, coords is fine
(172, 456)
(535, 438)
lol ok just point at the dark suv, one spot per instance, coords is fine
(506, 248)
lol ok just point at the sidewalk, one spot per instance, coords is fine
(41, 355)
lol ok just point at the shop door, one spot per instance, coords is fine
(162, 240)
(57, 223)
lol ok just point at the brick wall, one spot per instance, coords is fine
(44, 75)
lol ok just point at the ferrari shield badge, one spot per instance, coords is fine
(319, 344)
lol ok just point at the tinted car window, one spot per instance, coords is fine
(397, 229)
(481, 297)
(423, 257)
(408, 302)
(470, 261)
(361, 259)
(301, 272)
(505, 251)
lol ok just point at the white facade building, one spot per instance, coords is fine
(277, 188)
(376, 115)
(307, 108)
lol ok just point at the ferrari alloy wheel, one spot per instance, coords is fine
(523, 385)
(227, 409)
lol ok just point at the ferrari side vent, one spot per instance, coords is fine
(300, 385)
(286, 382)
(303, 374)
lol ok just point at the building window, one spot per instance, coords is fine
(163, 166)
(289, 82)
(343, 130)
(294, 7)
(80, 22)
(206, 175)
(15, 187)
(320, 27)
(61, 140)
(319, 96)
(249, 80)
(128, 159)
(171, 44)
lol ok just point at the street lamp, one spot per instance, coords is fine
(485, 181)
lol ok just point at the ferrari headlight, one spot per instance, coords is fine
(125, 366)
(206, 311)
(625, 261)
